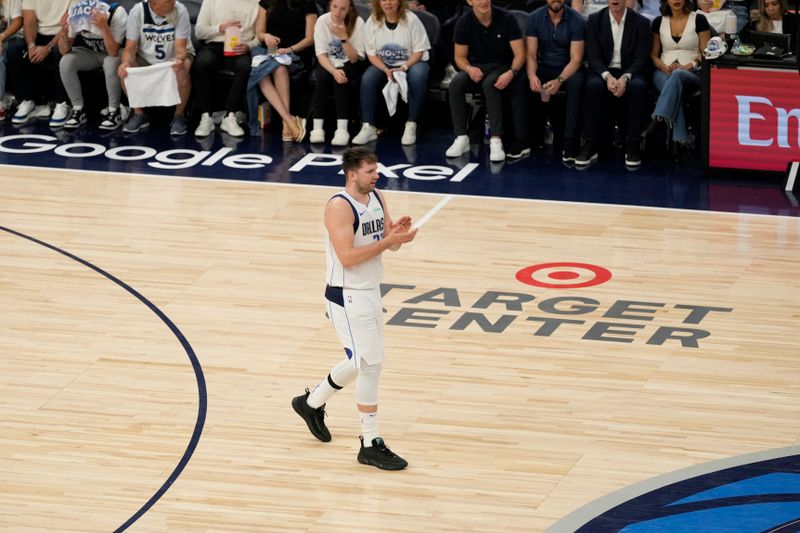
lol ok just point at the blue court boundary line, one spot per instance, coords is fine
(198, 372)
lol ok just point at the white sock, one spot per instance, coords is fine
(77, 108)
(369, 427)
(321, 394)
(341, 124)
(340, 376)
(319, 123)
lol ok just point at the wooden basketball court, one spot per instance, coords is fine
(510, 416)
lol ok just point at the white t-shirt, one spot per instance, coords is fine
(394, 47)
(48, 14)
(215, 12)
(9, 10)
(327, 43)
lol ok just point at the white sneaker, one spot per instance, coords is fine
(41, 111)
(449, 74)
(205, 127)
(409, 134)
(367, 134)
(340, 138)
(459, 147)
(496, 153)
(231, 126)
(59, 116)
(23, 112)
(316, 136)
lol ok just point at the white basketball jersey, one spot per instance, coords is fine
(157, 41)
(368, 228)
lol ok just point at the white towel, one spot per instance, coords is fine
(393, 88)
(155, 85)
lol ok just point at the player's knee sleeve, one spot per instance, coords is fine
(367, 387)
(342, 374)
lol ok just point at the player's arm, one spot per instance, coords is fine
(339, 223)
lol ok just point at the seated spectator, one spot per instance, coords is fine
(395, 42)
(490, 54)
(589, 7)
(285, 27)
(715, 15)
(617, 47)
(773, 16)
(10, 38)
(339, 44)
(213, 23)
(159, 31)
(36, 69)
(555, 36)
(87, 43)
(679, 37)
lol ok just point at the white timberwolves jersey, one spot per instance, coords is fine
(368, 228)
(157, 41)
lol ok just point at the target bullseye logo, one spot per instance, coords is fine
(563, 275)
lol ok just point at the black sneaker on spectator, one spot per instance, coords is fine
(112, 120)
(570, 150)
(633, 156)
(587, 155)
(77, 117)
(519, 148)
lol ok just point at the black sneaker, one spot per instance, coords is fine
(587, 155)
(570, 150)
(657, 127)
(314, 418)
(633, 156)
(381, 456)
(77, 117)
(519, 148)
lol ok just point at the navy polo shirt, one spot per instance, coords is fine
(488, 44)
(554, 41)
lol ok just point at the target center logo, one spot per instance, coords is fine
(563, 275)
(623, 320)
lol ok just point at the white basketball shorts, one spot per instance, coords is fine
(357, 317)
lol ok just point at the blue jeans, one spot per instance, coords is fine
(375, 79)
(670, 102)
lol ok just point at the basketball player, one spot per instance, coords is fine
(359, 230)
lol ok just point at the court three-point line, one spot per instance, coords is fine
(443, 202)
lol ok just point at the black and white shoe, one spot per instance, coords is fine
(519, 148)
(570, 151)
(380, 456)
(77, 117)
(112, 120)
(587, 155)
(314, 418)
(633, 155)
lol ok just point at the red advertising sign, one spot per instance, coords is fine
(754, 119)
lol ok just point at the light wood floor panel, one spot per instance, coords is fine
(504, 431)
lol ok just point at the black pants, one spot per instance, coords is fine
(597, 97)
(37, 81)
(573, 86)
(342, 92)
(209, 61)
(462, 84)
